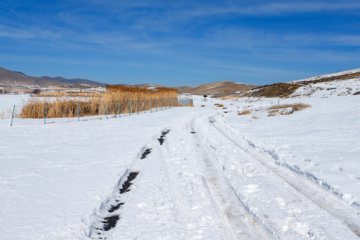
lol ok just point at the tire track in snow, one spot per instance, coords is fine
(244, 224)
(107, 216)
(327, 201)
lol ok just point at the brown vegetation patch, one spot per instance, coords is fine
(244, 112)
(114, 99)
(273, 90)
(286, 109)
(219, 105)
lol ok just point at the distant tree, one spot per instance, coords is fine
(36, 91)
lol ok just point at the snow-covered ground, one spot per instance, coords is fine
(7, 103)
(186, 173)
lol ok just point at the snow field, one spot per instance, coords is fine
(214, 175)
(54, 175)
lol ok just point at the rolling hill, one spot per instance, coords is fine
(217, 89)
(12, 80)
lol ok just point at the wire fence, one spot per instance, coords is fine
(108, 109)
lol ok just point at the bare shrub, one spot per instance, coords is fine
(244, 112)
(295, 106)
(36, 91)
(286, 109)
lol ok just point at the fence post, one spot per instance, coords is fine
(129, 106)
(45, 115)
(118, 108)
(105, 110)
(78, 111)
(12, 116)
(138, 106)
(151, 105)
(144, 106)
(156, 104)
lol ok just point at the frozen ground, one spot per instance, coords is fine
(186, 173)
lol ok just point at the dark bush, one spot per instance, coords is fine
(36, 91)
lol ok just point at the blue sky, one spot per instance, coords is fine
(177, 43)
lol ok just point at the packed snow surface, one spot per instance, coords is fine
(185, 173)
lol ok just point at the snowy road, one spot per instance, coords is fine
(206, 181)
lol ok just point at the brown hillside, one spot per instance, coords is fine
(217, 89)
(286, 89)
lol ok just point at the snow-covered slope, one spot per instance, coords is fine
(348, 72)
(346, 82)
(329, 89)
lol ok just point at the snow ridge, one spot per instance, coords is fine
(357, 70)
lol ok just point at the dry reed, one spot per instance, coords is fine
(295, 106)
(116, 99)
(286, 109)
(244, 112)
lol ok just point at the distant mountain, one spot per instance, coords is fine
(13, 80)
(72, 81)
(217, 89)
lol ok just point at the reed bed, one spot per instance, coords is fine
(116, 99)
(68, 94)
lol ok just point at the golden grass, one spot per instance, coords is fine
(244, 112)
(295, 106)
(219, 105)
(114, 99)
(286, 109)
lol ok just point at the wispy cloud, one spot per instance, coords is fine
(274, 8)
(9, 32)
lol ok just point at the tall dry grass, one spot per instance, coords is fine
(295, 106)
(114, 99)
(286, 109)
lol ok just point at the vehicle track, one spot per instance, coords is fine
(244, 224)
(107, 215)
(345, 214)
